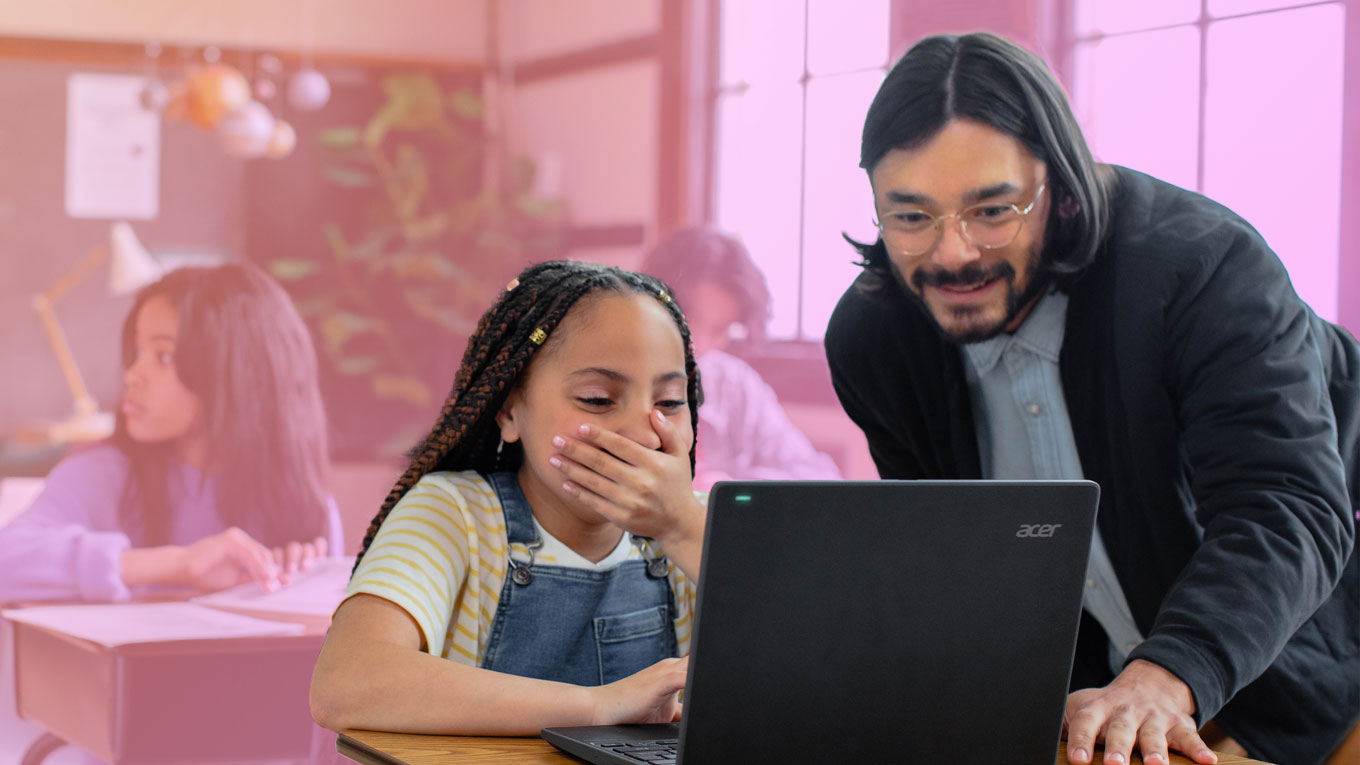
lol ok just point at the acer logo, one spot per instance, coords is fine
(1038, 530)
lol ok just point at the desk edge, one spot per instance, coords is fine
(363, 753)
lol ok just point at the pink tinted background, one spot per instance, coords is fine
(646, 116)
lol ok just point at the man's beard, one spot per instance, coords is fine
(1037, 280)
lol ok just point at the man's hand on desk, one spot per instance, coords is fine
(1147, 706)
(220, 561)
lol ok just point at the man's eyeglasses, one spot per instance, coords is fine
(987, 225)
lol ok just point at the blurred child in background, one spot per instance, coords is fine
(216, 473)
(747, 435)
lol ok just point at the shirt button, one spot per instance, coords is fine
(1090, 584)
(1034, 410)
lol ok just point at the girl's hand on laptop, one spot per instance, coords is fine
(649, 492)
(1146, 706)
(649, 696)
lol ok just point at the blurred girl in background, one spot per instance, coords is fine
(747, 435)
(216, 472)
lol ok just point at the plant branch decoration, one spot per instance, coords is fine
(433, 248)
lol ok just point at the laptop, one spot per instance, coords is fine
(897, 621)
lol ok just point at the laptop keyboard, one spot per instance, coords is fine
(660, 752)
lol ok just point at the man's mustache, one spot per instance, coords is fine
(967, 276)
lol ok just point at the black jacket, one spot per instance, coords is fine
(1208, 401)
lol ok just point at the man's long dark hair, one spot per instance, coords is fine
(245, 353)
(987, 79)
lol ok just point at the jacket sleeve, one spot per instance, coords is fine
(858, 377)
(66, 545)
(1259, 437)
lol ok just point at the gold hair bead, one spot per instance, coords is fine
(512, 285)
(663, 297)
(538, 336)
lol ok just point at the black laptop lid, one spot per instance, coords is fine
(904, 620)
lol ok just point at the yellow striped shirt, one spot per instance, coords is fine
(442, 556)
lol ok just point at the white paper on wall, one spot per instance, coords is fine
(112, 149)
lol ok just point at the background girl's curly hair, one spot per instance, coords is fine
(466, 436)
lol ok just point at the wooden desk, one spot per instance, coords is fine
(171, 701)
(374, 748)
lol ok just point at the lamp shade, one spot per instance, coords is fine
(133, 267)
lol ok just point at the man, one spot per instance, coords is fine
(1027, 313)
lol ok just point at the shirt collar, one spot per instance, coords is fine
(1041, 333)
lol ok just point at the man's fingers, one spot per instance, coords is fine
(1185, 739)
(1083, 723)
(1152, 740)
(1121, 731)
(322, 546)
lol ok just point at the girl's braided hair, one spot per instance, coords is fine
(466, 436)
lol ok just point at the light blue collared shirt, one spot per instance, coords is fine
(1024, 433)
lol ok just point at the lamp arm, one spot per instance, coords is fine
(84, 403)
(65, 283)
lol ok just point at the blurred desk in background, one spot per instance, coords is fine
(235, 699)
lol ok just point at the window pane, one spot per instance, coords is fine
(1114, 16)
(1273, 140)
(843, 37)
(1235, 7)
(1120, 81)
(762, 41)
(836, 192)
(759, 142)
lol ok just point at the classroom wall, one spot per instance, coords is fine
(439, 30)
(593, 131)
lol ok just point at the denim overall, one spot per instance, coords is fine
(574, 625)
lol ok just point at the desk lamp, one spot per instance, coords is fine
(132, 268)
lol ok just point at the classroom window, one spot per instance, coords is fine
(788, 115)
(1259, 133)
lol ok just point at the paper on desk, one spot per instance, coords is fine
(123, 623)
(314, 592)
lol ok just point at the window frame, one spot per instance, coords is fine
(1052, 33)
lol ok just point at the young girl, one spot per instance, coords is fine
(215, 474)
(535, 564)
